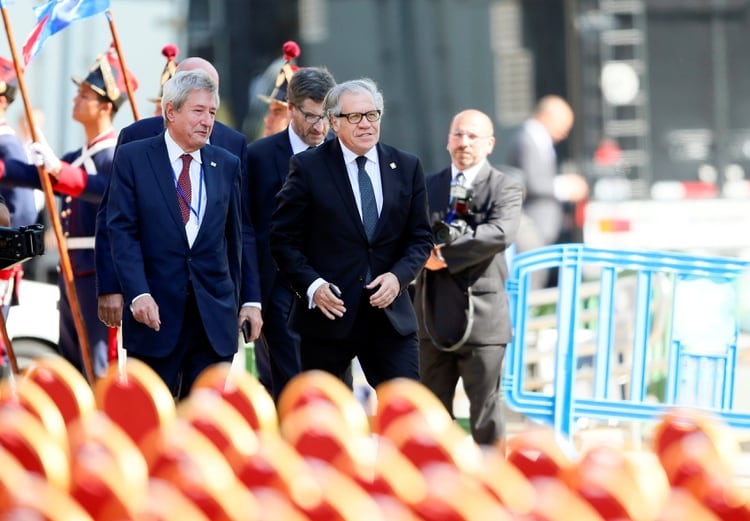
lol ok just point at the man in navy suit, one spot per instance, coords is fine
(267, 166)
(350, 233)
(108, 287)
(176, 238)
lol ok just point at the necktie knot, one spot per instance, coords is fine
(361, 162)
(460, 179)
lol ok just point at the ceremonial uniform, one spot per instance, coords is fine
(81, 183)
(20, 201)
(81, 178)
(22, 208)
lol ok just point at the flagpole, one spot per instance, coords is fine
(49, 198)
(8, 347)
(121, 57)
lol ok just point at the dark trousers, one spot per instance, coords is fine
(262, 363)
(480, 368)
(193, 353)
(383, 353)
(282, 342)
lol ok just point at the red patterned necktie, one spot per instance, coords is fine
(184, 189)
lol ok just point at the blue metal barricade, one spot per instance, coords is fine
(701, 351)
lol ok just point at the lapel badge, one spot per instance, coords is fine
(213, 163)
(393, 166)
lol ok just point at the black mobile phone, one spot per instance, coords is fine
(336, 292)
(246, 331)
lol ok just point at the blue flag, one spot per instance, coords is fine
(56, 15)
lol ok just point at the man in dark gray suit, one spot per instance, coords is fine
(460, 298)
(533, 151)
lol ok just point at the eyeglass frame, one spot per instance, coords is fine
(460, 134)
(307, 116)
(360, 115)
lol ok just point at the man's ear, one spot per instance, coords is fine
(334, 124)
(169, 111)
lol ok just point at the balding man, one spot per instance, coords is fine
(460, 298)
(108, 287)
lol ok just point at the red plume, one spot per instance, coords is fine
(291, 50)
(170, 51)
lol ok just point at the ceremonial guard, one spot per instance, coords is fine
(81, 177)
(20, 201)
(277, 118)
(170, 52)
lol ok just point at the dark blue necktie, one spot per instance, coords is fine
(367, 198)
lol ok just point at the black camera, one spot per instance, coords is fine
(20, 244)
(446, 233)
(454, 225)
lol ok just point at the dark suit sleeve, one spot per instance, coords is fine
(122, 221)
(235, 233)
(106, 279)
(494, 229)
(250, 289)
(287, 229)
(418, 233)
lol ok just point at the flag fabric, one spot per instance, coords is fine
(56, 15)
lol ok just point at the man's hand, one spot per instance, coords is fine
(4, 215)
(436, 261)
(253, 316)
(328, 303)
(146, 312)
(110, 309)
(387, 292)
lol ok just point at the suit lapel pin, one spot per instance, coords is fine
(393, 166)
(213, 163)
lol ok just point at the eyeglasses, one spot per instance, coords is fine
(312, 119)
(355, 117)
(460, 134)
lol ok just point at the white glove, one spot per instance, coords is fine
(44, 156)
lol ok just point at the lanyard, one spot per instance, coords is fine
(182, 195)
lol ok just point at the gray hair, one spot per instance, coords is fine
(309, 82)
(332, 102)
(178, 87)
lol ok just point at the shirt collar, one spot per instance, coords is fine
(175, 151)
(351, 157)
(297, 144)
(470, 173)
